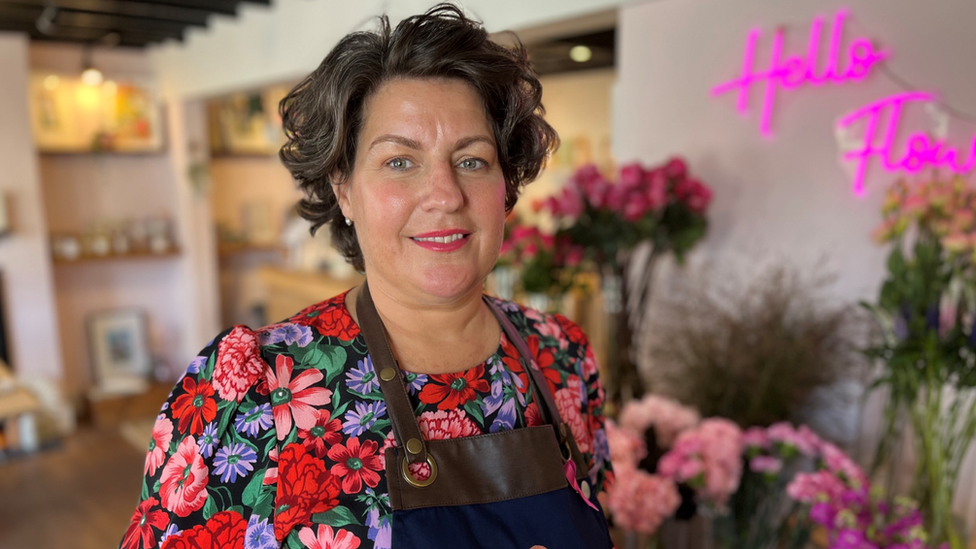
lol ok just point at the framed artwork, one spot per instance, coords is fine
(118, 342)
(69, 116)
(247, 123)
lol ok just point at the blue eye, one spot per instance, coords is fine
(472, 163)
(399, 163)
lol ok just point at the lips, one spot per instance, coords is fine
(442, 241)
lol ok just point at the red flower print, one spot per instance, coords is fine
(450, 391)
(533, 416)
(142, 524)
(546, 362)
(570, 408)
(238, 364)
(183, 485)
(327, 539)
(573, 331)
(196, 406)
(440, 425)
(512, 360)
(333, 321)
(305, 487)
(323, 434)
(224, 530)
(355, 464)
(162, 435)
(294, 397)
(447, 424)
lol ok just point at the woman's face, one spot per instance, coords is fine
(427, 194)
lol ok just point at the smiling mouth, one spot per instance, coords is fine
(441, 239)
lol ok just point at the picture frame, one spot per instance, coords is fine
(118, 344)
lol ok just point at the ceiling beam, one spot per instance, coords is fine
(225, 7)
(128, 8)
(86, 34)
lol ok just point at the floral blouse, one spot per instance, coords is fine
(275, 437)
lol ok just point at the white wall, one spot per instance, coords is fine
(24, 254)
(787, 196)
(287, 41)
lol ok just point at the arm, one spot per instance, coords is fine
(212, 445)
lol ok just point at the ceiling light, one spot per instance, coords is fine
(89, 74)
(92, 76)
(580, 54)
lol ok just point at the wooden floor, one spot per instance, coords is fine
(79, 495)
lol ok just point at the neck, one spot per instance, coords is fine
(416, 329)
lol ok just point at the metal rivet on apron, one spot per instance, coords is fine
(387, 374)
(414, 446)
(585, 488)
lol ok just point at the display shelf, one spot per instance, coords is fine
(226, 249)
(172, 252)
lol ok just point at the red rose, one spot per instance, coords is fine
(305, 487)
(573, 331)
(333, 321)
(224, 530)
(238, 365)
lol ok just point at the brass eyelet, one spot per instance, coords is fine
(405, 470)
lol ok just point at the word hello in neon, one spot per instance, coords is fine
(795, 71)
(880, 132)
(882, 118)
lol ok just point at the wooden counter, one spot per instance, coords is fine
(291, 291)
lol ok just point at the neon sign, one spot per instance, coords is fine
(860, 57)
(796, 71)
(920, 150)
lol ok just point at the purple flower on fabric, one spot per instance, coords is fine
(601, 446)
(171, 530)
(288, 333)
(363, 417)
(196, 365)
(255, 420)
(379, 529)
(234, 461)
(505, 419)
(362, 378)
(494, 401)
(260, 534)
(499, 369)
(415, 382)
(208, 440)
(507, 306)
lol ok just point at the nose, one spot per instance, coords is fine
(443, 189)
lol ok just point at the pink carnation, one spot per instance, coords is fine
(717, 444)
(667, 416)
(838, 463)
(813, 487)
(803, 440)
(626, 449)
(766, 464)
(640, 501)
(755, 437)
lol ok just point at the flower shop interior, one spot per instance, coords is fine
(761, 213)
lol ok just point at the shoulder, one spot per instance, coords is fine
(531, 322)
(327, 318)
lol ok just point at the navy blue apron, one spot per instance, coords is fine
(512, 489)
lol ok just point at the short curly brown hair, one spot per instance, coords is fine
(323, 115)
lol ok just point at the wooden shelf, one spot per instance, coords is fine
(173, 252)
(82, 154)
(226, 249)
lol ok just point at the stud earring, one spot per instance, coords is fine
(348, 222)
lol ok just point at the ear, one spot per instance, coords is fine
(341, 192)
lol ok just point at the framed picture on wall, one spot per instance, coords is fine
(118, 341)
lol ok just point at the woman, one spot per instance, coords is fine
(374, 418)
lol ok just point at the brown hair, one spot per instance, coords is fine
(323, 115)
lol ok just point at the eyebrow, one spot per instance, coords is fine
(410, 143)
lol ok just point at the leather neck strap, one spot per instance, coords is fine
(405, 426)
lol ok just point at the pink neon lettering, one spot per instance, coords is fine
(920, 153)
(799, 70)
